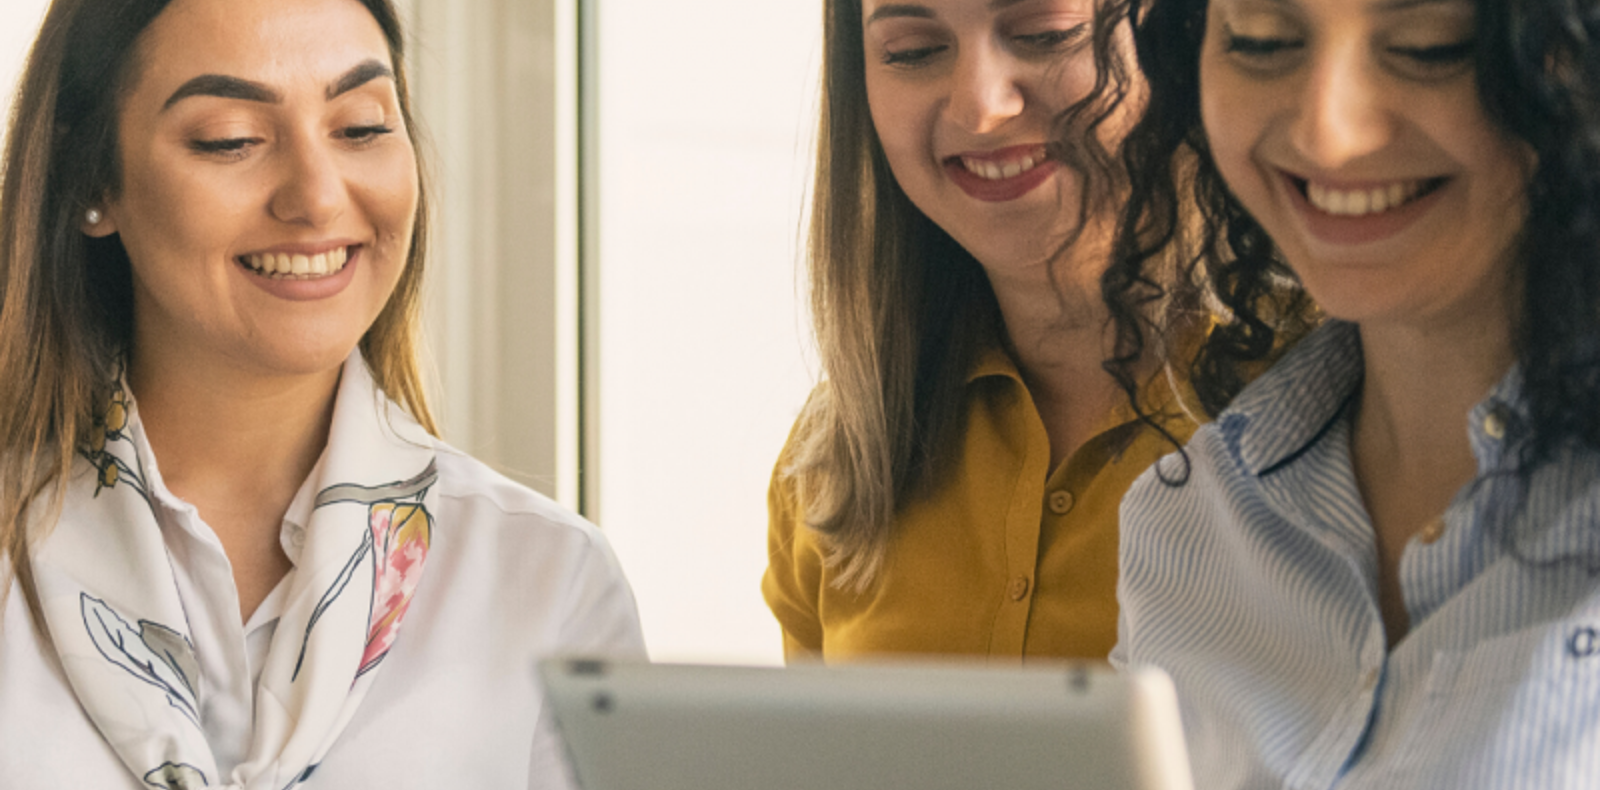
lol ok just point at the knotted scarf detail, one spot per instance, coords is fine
(111, 600)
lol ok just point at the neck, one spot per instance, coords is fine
(229, 429)
(1420, 384)
(237, 444)
(1410, 447)
(1056, 323)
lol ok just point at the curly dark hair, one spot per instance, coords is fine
(1538, 76)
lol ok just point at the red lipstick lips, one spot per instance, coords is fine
(1000, 190)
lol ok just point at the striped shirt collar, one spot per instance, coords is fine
(1290, 408)
(1283, 413)
(1294, 404)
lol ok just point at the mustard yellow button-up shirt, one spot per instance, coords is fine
(1008, 560)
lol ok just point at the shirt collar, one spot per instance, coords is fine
(993, 361)
(355, 384)
(1282, 413)
(1167, 396)
(1292, 405)
(1555, 514)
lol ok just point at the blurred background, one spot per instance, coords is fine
(615, 316)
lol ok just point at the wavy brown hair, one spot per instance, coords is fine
(66, 300)
(1260, 307)
(1537, 65)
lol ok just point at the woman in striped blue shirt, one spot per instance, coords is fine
(1380, 566)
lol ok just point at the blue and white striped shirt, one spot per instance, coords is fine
(1255, 587)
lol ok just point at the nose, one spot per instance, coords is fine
(987, 91)
(311, 189)
(1342, 114)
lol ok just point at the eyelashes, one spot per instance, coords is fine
(1441, 54)
(369, 132)
(1044, 43)
(912, 56)
(239, 147)
(1271, 55)
(225, 145)
(1055, 40)
(1250, 46)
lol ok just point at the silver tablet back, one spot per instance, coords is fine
(882, 727)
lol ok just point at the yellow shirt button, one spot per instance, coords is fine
(1018, 588)
(1433, 531)
(1061, 502)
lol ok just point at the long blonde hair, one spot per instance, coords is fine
(66, 304)
(900, 310)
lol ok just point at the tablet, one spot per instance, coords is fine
(636, 726)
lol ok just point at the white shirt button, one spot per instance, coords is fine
(1494, 424)
(1431, 533)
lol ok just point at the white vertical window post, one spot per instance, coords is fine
(706, 111)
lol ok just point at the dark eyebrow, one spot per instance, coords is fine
(900, 10)
(223, 86)
(1404, 5)
(923, 12)
(363, 73)
(1381, 5)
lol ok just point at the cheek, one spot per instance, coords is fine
(1063, 83)
(167, 213)
(1231, 115)
(897, 119)
(389, 189)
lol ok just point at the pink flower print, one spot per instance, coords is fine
(401, 532)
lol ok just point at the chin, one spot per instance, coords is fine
(298, 359)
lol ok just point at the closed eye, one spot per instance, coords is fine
(1055, 40)
(913, 56)
(1444, 53)
(1433, 63)
(364, 134)
(1248, 45)
(230, 146)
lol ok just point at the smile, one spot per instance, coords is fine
(999, 169)
(296, 266)
(1356, 213)
(1003, 175)
(1367, 200)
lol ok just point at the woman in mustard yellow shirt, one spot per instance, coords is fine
(952, 486)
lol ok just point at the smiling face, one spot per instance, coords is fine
(269, 187)
(963, 94)
(1352, 131)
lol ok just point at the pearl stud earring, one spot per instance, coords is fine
(93, 216)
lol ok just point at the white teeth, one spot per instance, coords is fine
(995, 171)
(1361, 202)
(281, 265)
(1355, 203)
